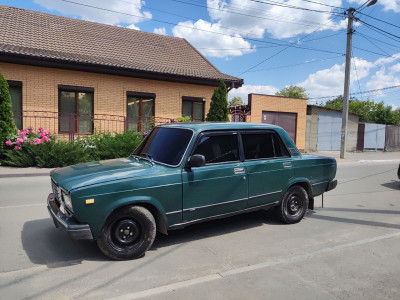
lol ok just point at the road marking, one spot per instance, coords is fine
(348, 179)
(266, 264)
(378, 160)
(18, 206)
(169, 287)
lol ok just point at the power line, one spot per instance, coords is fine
(364, 92)
(358, 81)
(272, 56)
(203, 30)
(303, 63)
(372, 26)
(273, 3)
(252, 15)
(319, 3)
(378, 40)
(377, 46)
(388, 23)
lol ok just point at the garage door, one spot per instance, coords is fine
(329, 131)
(287, 121)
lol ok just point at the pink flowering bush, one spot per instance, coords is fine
(29, 136)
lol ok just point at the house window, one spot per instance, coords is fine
(75, 107)
(193, 107)
(15, 89)
(140, 111)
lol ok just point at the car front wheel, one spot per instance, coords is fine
(294, 205)
(128, 233)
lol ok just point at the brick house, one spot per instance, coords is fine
(74, 76)
(289, 113)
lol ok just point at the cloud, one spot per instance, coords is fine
(330, 82)
(243, 91)
(133, 8)
(383, 72)
(254, 18)
(133, 26)
(212, 40)
(160, 30)
(238, 20)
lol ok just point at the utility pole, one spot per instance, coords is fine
(345, 112)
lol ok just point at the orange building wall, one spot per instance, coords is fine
(260, 103)
(40, 91)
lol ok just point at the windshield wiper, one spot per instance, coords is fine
(137, 157)
(147, 157)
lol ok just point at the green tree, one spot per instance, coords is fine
(369, 111)
(235, 101)
(293, 91)
(219, 110)
(7, 125)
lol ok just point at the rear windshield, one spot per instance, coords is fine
(165, 145)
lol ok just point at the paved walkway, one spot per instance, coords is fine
(350, 157)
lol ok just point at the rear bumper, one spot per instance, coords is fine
(75, 231)
(331, 185)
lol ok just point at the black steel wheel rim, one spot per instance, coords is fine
(125, 232)
(294, 205)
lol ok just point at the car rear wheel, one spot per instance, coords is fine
(294, 205)
(128, 233)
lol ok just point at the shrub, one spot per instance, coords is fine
(29, 148)
(219, 110)
(107, 146)
(7, 125)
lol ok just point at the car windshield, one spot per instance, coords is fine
(165, 145)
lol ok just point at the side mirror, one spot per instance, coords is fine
(196, 160)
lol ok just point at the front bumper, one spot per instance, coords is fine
(331, 185)
(75, 231)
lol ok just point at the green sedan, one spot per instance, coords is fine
(183, 174)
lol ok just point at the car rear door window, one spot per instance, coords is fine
(263, 145)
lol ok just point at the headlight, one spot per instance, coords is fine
(67, 200)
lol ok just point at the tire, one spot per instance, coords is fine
(128, 233)
(294, 205)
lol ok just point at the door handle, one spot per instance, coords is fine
(238, 170)
(287, 164)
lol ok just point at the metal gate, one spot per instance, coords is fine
(374, 136)
(329, 131)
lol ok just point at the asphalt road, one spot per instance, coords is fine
(350, 249)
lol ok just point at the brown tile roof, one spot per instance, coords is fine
(45, 37)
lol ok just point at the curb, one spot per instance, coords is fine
(24, 175)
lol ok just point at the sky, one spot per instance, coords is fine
(271, 44)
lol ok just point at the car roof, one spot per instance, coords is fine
(203, 126)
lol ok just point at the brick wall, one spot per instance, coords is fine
(260, 103)
(40, 91)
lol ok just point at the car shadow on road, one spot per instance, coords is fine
(46, 245)
(355, 221)
(394, 184)
(216, 227)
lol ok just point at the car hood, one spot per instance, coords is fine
(85, 174)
